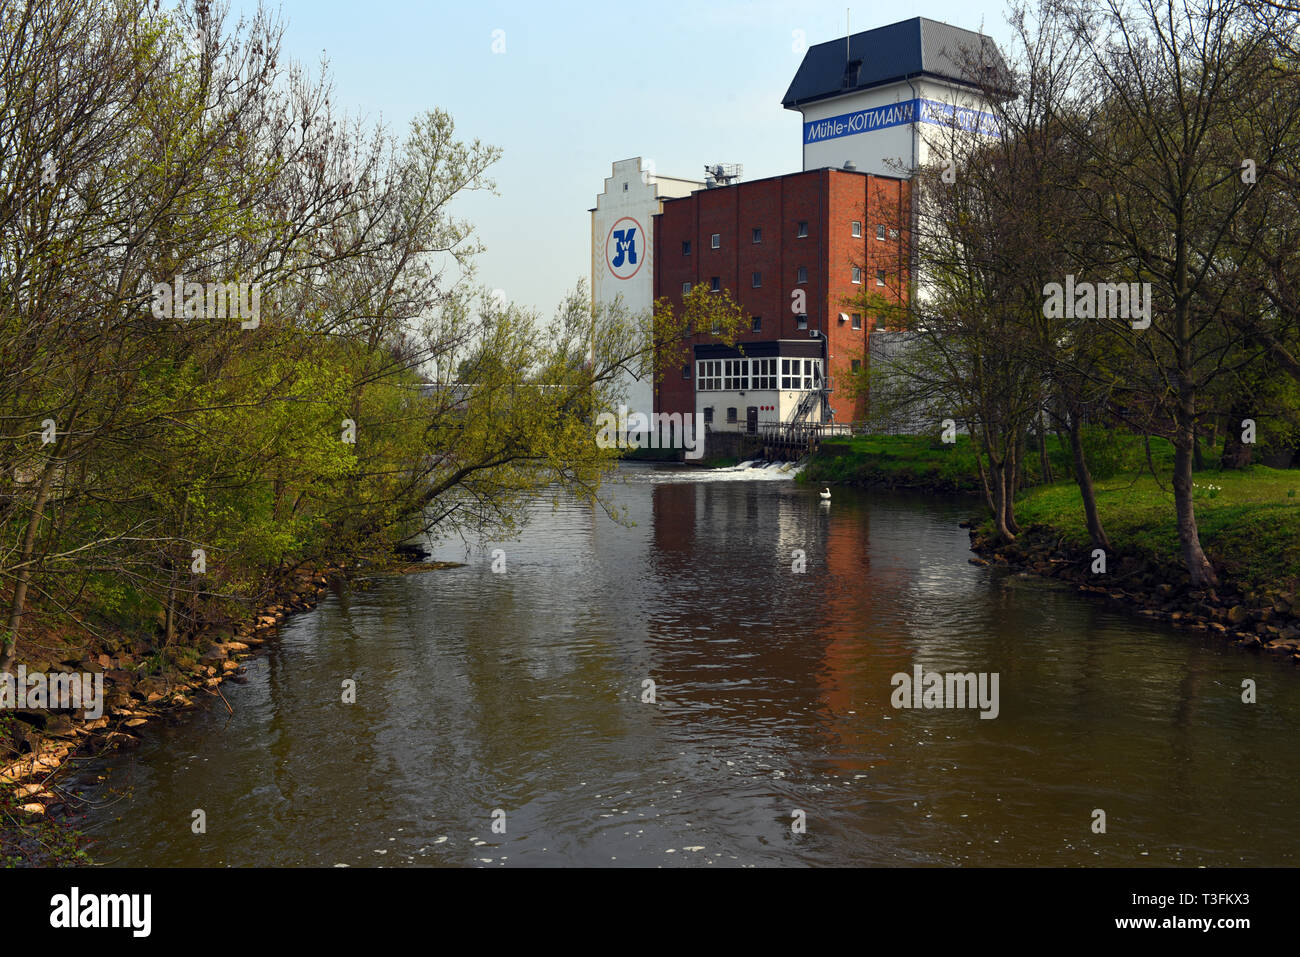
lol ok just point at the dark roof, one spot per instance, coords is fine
(910, 48)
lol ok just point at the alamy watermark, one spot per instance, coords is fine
(59, 691)
(933, 689)
(214, 300)
(656, 430)
(1098, 300)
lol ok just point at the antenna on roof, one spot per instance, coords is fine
(721, 174)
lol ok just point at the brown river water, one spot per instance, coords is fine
(521, 692)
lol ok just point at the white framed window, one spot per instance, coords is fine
(789, 374)
(757, 279)
(857, 274)
(880, 232)
(716, 241)
(763, 373)
(800, 375)
(708, 375)
(857, 229)
(880, 277)
(736, 375)
(857, 320)
(802, 231)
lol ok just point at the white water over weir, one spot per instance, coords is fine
(755, 470)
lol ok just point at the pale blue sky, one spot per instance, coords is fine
(579, 86)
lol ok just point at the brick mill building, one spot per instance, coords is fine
(797, 252)
(876, 106)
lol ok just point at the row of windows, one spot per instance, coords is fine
(731, 414)
(801, 322)
(801, 232)
(737, 375)
(756, 279)
(762, 377)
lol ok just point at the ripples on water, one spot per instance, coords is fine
(522, 691)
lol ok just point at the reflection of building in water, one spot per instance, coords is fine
(736, 615)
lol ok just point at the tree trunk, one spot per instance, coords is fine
(1044, 460)
(24, 576)
(1011, 475)
(1236, 453)
(998, 474)
(1083, 476)
(1198, 566)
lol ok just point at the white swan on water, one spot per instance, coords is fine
(825, 493)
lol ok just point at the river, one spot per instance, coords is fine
(514, 700)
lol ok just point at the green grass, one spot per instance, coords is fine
(1249, 521)
(898, 460)
(1251, 524)
(920, 461)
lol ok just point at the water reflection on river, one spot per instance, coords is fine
(522, 691)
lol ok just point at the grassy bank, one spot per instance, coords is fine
(895, 461)
(1249, 520)
(924, 462)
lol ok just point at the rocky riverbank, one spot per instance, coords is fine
(1268, 620)
(42, 742)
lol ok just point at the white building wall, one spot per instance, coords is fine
(630, 199)
(888, 130)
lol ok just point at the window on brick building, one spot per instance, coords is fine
(801, 321)
(857, 274)
(710, 377)
(686, 372)
(880, 277)
(757, 235)
(763, 373)
(857, 229)
(880, 232)
(756, 325)
(803, 229)
(803, 274)
(686, 248)
(736, 375)
(757, 279)
(686, 288)
(715, 284)
(716, 241)
(857, 367)
(857, 320)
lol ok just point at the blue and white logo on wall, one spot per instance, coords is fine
(918, 110)
(625, 248)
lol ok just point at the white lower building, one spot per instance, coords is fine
(622, 249)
